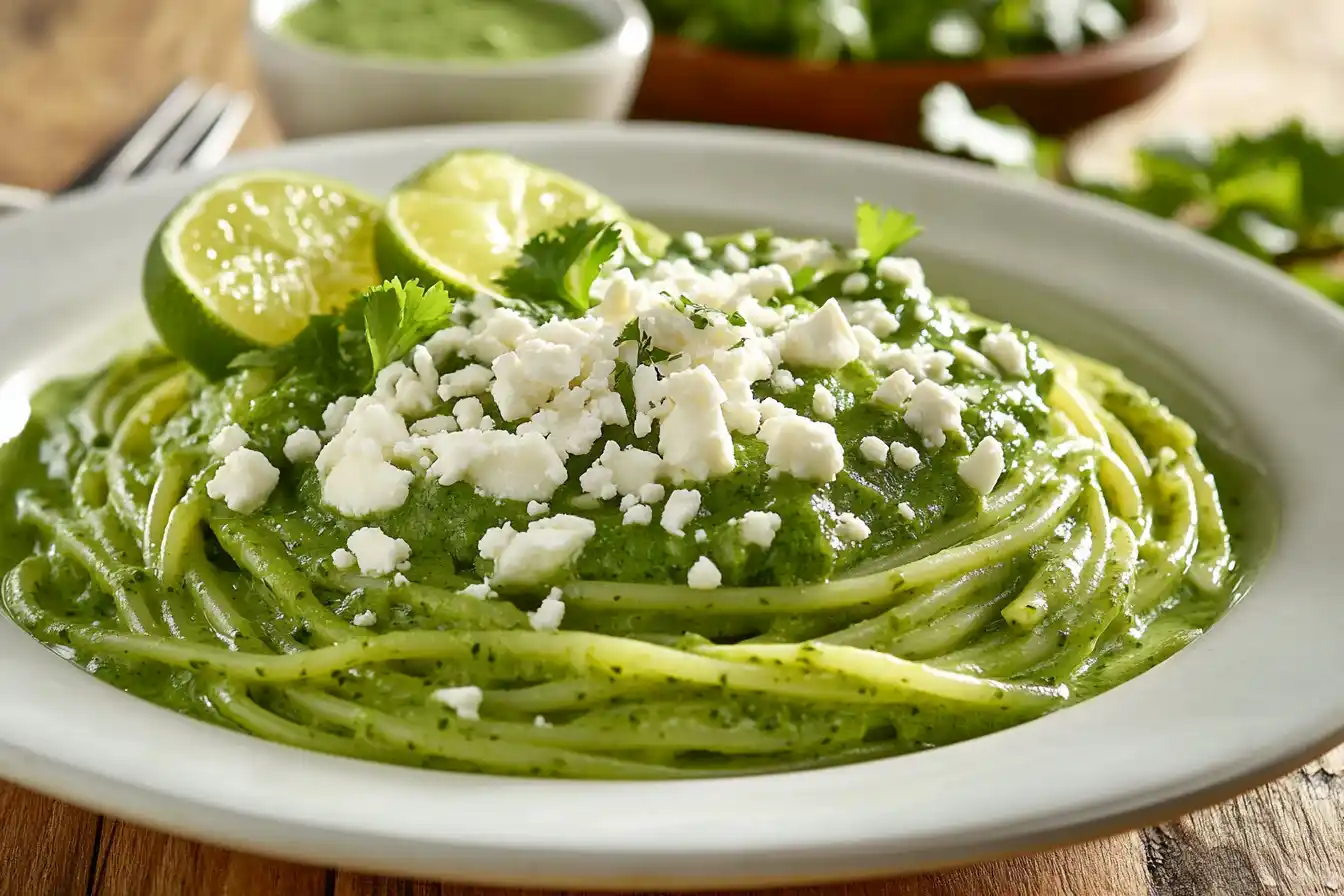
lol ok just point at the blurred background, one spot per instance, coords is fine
(1221, 114)
(76, 73)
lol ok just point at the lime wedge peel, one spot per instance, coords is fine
(464, 218)
(246, 260)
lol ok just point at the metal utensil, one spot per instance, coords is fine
(191, 127)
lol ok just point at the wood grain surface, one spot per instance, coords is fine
(73, 73)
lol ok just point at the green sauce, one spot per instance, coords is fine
(81, 465)
(443, 29)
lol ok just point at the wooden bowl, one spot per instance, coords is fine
(1055, 93)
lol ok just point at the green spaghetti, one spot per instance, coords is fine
(706, 507)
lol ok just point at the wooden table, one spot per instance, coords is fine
(74, 72)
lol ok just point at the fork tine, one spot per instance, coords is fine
(91, 172)
(173, 152)
(157, 128)
(220, 137)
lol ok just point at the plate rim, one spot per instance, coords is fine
(864, 857)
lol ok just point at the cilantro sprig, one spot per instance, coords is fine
(1277, 196)
(881, 231)
(395, 317)
(379, 326)
(558, 267)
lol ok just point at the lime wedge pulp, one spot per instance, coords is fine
(464, 218)
(245, 261)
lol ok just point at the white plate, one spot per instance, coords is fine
(1255, 361)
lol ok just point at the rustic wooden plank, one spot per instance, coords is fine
(135, 861)
(45, 846)
(74, 74)
(1284, 838)
(1111, 867)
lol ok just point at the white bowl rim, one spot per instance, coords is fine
(1292, 712)
(630, 37)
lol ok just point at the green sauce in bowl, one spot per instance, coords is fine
(498, 30)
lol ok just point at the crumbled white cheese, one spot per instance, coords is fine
(548, 616)
(681, 507)
(921, 360)
(470, 380)
(335, 415)
(849, 527)
(540, 722)
(822, 339)
(783, 381)
(500, 464)
(797, 255)
(540, 552)
(244, 481)
(933, 412)
(621, 471)
(403, 390)
(302, 445)
(903, 456)
(537, 508)
(480, 591)
(855, 284)
(693, 438)
(904, 271)
(807, 449)
(972, 357)
(759, 527)
(358, 478)
(982, 468)
(701, 536)
(1006, 351)
(874, 450)
(694, 243)
(431, 425)
(638, 515)
(734, 259)
(376, 552)
(873, 316)
(652, 493)
(704, 575)
(905, 510)
(342, 559)
(470, 413)
(895, 390)
(364, 619)
(823, 402)
(869, 345)
(400, 580)
(228, 440)
(361, 482)
(465, 701)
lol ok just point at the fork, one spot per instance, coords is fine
(192, 127)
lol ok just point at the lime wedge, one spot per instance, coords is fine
(245, 261)
(464, 218)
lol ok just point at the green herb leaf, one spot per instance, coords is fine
(396, 317)
(559, 267)
(316, 348)
(1278, 196)
(880, 231)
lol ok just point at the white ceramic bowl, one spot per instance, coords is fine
(1253, 360)
(314, 90)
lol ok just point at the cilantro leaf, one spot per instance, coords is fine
(396, 317)
(558, 267)
(881, 231)
(1277, 196)
(316, 348)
